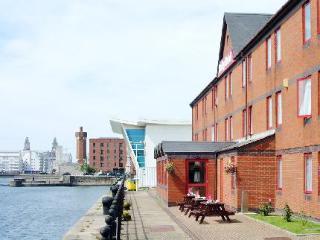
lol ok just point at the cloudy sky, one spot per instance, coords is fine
(65, 64)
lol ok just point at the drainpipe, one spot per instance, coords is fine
(216, 180)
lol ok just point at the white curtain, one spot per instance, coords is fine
(280, 174)
(309, 174)
(305, 97)
(279, 109)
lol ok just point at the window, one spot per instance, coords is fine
(304, 97)
(269, 52)
(244, 123)
(306, 19)
(279, 172)
(250, 68)
(212, 98)
(318, 174)
(101, 144)
(205, 105)
(269, 112)
(250, 123)
(226, 87)
(230, 129)
(93, 144)
(101, 158)
(94, 151)
(318, 15)
(213, 134)
(244, 73)
(101, 151)
(226, 129)
(216, 132)
(230, 84)
(279, 109)
(197, 112)
(319, 92)
(278, 45)
(94, 157)
(215, 95)
(101, 164)
(196, 137)
(204, 135)
(307, 173)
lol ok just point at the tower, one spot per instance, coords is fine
(54, 144)
(26, 144)
(81, 141)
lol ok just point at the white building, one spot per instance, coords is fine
(142, 137)
(10, 162)
(31, 159)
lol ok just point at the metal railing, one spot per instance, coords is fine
(113, 209)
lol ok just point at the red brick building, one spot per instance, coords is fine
(107, 154)
(266, 98)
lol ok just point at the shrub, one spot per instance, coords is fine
(126, 216)
(287, 213)
(265, 209)
(126, 205)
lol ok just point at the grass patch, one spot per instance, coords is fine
(296, 226)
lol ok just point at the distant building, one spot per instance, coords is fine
(107, 154)
(81, 141)
(141, 138)
(31, 159)
(10, 162)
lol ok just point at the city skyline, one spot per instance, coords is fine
(63, 61)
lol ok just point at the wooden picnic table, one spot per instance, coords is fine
(211, 209)
(185, 202)
(194, 204)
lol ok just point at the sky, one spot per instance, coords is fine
(71, 63)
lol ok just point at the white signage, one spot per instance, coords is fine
(226, 62)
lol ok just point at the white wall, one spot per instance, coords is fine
(158, 133)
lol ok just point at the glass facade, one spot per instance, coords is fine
(136, 138)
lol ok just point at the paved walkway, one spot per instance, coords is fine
(149, 220)
(152, 220)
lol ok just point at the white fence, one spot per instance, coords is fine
(147, 177)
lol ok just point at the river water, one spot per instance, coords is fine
(32, 213)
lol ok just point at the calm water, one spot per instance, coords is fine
(33, 213)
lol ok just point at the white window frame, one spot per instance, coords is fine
(269, 99)
(269, 53)
(304, 97)
(244, 73)
(278, 40)
(279, 108)
(308, 173)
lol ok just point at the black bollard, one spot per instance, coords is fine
(114, 190)
(106, 232)
(106, 202)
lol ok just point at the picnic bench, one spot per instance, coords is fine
(211, 209)
(186, 202)
(194, 204)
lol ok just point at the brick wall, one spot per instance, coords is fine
(256, 174)
(107, 154)
(175, 187)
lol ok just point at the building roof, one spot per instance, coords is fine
(243, 27)
(187, 147)
(255, 138)
(260, 34)
(116, 124)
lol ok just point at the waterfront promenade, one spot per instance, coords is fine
(154, 221)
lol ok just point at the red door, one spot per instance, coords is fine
(196, 174)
